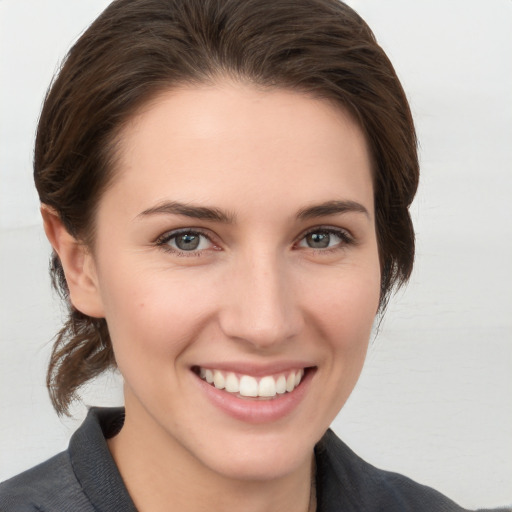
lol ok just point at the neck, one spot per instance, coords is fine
(158, 471)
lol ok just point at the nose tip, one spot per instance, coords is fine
(260, 307)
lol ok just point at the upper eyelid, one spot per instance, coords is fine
(168, 235)
(327, 228)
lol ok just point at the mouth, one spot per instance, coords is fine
(265, 387)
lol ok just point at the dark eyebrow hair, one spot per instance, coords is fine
(331, 208)
(195, 212)
(218, 215)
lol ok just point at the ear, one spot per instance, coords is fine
(78, 264)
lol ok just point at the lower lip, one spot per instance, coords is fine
(256, 410)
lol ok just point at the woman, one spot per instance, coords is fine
(226, 187)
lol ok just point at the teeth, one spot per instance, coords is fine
(290, 382)
(218, 380)
(232, 383)
(268, 386)
(248, 386)
(281, 385)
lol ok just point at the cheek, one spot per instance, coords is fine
(154, 314)
(345, 310)
(343, 317)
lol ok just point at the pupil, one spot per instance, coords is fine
(318, 240)
(187, 242)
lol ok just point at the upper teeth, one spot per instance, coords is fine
(246, 385)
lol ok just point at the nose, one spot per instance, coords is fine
(260, 307)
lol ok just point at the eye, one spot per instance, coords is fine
(325, 238)
(184, 241)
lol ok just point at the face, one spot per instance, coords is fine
(236, 264)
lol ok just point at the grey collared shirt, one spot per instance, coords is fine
(85, 478)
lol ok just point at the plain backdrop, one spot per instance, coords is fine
(435, 398)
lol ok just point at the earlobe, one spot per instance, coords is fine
(77, 262)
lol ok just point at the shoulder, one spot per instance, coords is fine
(50, 486)
(82, 479)
(343, 477)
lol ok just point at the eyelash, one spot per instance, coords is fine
(345, 237)
(163, 241)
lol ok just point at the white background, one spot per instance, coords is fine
(434, 401)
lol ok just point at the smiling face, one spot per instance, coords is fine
(236, 249)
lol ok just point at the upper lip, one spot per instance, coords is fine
(254, 369)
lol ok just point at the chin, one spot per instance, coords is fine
(261, 456)
(254, 466)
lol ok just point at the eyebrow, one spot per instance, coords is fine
(218, 215)
(331, 208)
(195, 212)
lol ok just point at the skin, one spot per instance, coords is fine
(253, 296)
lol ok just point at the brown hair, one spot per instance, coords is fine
(138, 48)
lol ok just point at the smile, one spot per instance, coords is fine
(267, 386)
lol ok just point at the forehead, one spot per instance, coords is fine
(201, 142)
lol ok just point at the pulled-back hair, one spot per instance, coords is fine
(136, 49)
